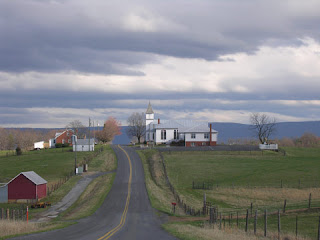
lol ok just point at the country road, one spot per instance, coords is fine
(126, 212)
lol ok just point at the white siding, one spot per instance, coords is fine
(169, 137)
(199, 138)
(214, 137)
(83, 148)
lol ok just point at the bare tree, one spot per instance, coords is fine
(110, 129)
(263, 126)
(78, 128)
(136, 125)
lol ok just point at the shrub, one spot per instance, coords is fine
(18, 151)
(58, 145)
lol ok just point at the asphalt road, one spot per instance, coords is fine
(140, 220)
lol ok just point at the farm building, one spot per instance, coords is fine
(26, 186)
(83, 145)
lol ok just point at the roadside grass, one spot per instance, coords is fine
(91, 199)
(201, 231)
(104, 162)
(10, 229)
(159, 193)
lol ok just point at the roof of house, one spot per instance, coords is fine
(59, 134)
(85, 141)
(201, 128)
(149, 109)
(184, 126)
(32, 176)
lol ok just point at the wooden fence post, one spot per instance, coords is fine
(211, 215)
(8, 214)
(204, 204)
(237, 219)
(2, 213)
(255, 222)
(319, 230)
(309, 200)
(296, 226)
(265, 222)
(279, 224)
(220, 222)
(247, 218)
(284, 206)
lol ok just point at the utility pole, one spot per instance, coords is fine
(89, 133)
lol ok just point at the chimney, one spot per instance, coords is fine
(210, 134)
(158, 120)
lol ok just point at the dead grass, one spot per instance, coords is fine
(17, 227)
(191, 232)
(242, 197)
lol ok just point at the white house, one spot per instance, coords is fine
(192, 133)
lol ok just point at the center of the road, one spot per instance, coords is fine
(125, 211)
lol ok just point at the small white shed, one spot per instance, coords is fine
(83, 145)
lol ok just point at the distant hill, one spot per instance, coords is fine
(237, 130)
(284, 129)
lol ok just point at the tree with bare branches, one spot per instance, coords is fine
(263, 126)
(78, 128)
(136, 125)
(110, 129)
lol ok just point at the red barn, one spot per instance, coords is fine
(26, 186)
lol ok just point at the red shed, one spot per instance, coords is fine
(27, 186)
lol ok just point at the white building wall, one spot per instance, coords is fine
(214, 137)
(169, 137)
(83, 148)
(52, 143)
(199, 138)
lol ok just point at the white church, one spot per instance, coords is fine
(191, 132)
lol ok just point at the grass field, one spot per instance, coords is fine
(51, 164)
(250, 177)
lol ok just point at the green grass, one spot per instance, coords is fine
(256, 179)
(245, 170)
(51, 164)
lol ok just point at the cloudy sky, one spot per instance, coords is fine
(212, 60)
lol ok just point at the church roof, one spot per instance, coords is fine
(149, 109)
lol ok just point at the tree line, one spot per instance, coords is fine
(12, 138)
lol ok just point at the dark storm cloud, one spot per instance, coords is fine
(66, 35)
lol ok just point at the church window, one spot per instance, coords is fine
(163, 134)
(193, 135)
(175, 134)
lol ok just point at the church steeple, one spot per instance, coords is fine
(149, 109)
(149, 123)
